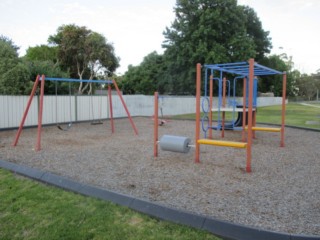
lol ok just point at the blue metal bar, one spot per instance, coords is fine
(268, 69)
(242, 68)
(77, 80)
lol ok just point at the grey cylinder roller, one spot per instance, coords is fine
(175, 143)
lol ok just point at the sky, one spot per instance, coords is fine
(135, 27)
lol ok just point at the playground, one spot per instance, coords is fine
(249, 174)
(280, 194)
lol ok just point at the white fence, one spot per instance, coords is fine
(88, 108)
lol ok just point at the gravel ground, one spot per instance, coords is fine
(281, 194)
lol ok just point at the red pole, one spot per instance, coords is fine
(26, 111)
(38, 145)
(244, 115)
(223, 105)
(284, 90)
(155, 125)
(250, 97)
(210, 106)
(125, 107)
(110, 108)
(198, 95)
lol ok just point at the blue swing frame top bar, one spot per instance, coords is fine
(242, 68)
(77, 80)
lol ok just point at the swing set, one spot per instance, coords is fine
(41, 106)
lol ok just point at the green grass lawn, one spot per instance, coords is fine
(32, 210)
(296, 115)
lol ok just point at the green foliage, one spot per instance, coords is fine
(10, 43)
(273, 83)
(14, 75)
(308, 86)
(31, 210)
(49, 69)
(147, 77)
(210, 32)
(80, 50)
(42, 53)
(84, 53)
(16, 81)
(8, 57)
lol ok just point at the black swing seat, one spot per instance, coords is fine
(96, 122)
(64, 129)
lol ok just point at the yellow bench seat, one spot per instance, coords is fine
(265, 129)
(222, 143)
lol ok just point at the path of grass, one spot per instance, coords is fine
(296, 115)
(31, 210)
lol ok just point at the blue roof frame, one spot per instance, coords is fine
(242, 68)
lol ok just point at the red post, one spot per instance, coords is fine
(110, 108)
(125, 107)
(198, 95)
(26, 111)
(284, 90)
(155, 125)
(250, 98)
(38, 145)
(244, 115)
(210, 106)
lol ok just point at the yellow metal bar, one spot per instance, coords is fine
(222, 143)
(265, 129)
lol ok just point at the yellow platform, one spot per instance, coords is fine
(265, 129)
(222, 143)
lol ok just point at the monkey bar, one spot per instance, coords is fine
(246, 70)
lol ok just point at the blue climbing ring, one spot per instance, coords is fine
(205, 105)
(205, 119)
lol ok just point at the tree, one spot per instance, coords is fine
(145, 78)
(210, 31)
(10, 42)
(308, 86)
(14, 75)
(42, 53)
(82, 51)
(43, 59)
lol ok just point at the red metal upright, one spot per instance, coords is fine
(110, 108)
(35, 85)
(198, 95)
(38, 145)
(284, 90)
(250, 100)
(155, 125)
(125, 107)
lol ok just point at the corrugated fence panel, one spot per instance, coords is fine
(89, 108)
(12, 109)
(177, 105)
(83, 108)
(139, 105)
(118, 110)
